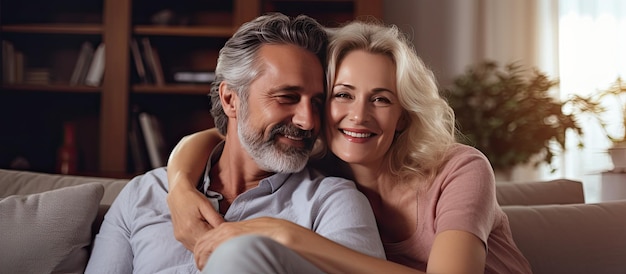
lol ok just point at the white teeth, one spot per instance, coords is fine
(294, 138)
(356, 134)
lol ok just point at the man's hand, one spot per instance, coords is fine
(277, 229)
(192, 214)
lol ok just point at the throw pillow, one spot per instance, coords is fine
(48, 232)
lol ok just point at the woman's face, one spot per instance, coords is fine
(363, 112)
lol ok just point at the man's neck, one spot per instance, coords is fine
(235, 172)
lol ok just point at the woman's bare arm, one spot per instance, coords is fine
(192, 214)
(456, 251)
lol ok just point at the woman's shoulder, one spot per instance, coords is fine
(464, 153)
(460, 150)
(466, 160)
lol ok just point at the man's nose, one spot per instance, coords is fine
(306, 116)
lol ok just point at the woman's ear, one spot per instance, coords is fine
(229, 100)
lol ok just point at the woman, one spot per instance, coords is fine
(390, 131)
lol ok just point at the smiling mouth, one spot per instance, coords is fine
(357, 134)
(295, 138)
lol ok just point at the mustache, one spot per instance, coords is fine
(291, 130)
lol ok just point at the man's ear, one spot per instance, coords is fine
(229, 100)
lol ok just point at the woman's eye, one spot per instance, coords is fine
(342, 95)
(381, 100)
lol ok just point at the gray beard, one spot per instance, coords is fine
(268, 154)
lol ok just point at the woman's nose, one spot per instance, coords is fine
(358, 113)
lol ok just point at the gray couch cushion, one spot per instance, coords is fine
(46, 232)
(575, 238)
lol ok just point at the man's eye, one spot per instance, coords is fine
(318, 103)
(287, 99)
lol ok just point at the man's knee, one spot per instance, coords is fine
(248, 253)
(257, 254)
(247, 245)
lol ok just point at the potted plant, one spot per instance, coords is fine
(508, 114)
(617, 151)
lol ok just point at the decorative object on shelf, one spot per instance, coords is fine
(67, 162)
(618, 157)
(194, 77)
(509, 114)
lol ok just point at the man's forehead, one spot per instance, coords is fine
(290, 68)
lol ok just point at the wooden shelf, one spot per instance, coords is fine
(50, 38)
(51, 88)
(173, 89)
(201, 31)
(94, 29)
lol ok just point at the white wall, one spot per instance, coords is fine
(450, 35)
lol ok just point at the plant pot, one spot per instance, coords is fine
(618, 156)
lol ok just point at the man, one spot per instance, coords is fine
(266, 100)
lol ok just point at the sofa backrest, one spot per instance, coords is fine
(574, 238)
(13, 182)
(560, 191)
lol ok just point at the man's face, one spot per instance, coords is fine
(282, 119)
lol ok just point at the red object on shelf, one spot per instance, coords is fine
(67, 155)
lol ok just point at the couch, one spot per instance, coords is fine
(48, 223)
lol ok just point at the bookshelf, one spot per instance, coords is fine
(187, 35)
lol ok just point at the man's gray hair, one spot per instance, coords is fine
(238, 63)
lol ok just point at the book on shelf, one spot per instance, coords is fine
(96, 68)
(140, 67)
(153, 62)
(137, 144)
(8, 62)
(153, 137)
(82, 64)
(20, 66)
(13, 63)
(37, 76)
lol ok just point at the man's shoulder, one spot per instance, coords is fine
(153, 178)
(315, 177)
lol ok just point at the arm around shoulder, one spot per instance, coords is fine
(192, 214)
(186, 162)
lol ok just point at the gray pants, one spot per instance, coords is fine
(256, 254)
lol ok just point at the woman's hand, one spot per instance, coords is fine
(277, 229)
(192, 214)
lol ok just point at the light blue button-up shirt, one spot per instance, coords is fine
(137, 235)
